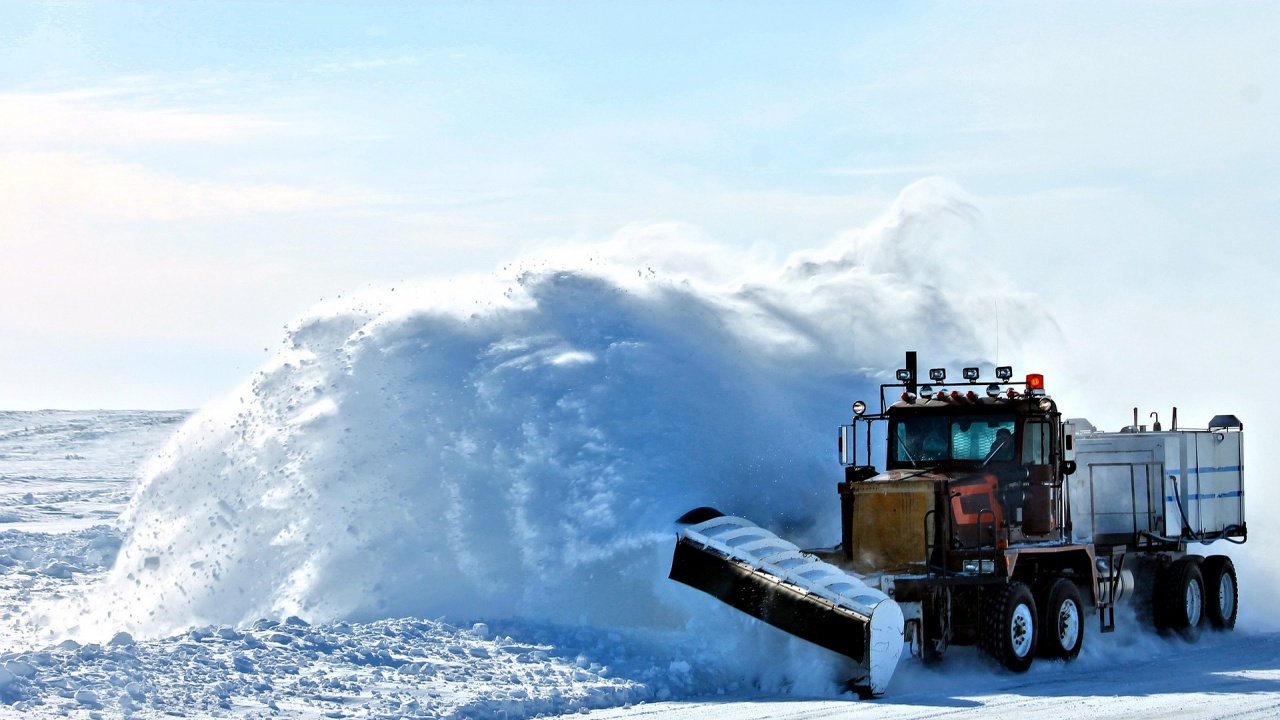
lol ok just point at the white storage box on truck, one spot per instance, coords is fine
(1178, 485)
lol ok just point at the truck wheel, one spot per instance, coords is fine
(1179, 598)
(1009, 622)
(1221, 596)
(1061, 620)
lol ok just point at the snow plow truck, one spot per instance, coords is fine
(995, 522)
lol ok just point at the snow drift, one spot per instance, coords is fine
(519, 445)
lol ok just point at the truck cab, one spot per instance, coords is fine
(971, 500)
(965, 475)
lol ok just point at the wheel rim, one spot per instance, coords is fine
(1195, 603)
(1021, 630)
(1068, 624)
(1226, 595)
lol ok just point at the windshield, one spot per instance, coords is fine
(929, 439)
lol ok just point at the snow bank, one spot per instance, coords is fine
(519, 445)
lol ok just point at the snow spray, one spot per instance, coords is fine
(520, 444)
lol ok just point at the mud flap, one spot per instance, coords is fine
(755, 571)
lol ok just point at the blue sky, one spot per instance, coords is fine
(179, 180)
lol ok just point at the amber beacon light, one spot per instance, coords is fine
(1035, 384)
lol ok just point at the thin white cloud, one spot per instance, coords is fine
(74, 155)
(47, 184)
(370, 64)
(918, 170)
(101, 117)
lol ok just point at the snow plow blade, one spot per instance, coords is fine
(757, 572)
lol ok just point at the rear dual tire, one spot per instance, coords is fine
(1222, 597)
(1195, 592)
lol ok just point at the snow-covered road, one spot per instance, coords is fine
(1236, 677)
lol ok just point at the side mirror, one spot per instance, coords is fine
(1068, 467)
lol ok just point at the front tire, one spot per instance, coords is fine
(1180, 598)
(1061, 620)
(1009, 626)
(1222, 597)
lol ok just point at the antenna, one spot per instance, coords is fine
(996, 305)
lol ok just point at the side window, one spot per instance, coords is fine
(901, 449)
(1036, 439)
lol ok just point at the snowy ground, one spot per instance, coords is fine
(65, 477)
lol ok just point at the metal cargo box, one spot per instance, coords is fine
(1131, 488)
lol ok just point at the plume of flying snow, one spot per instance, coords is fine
(520, 444)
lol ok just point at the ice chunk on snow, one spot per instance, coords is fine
(20, 668)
